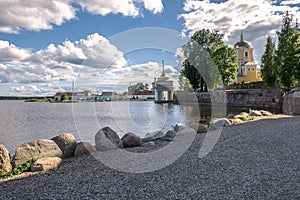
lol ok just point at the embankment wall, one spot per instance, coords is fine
(267, 99)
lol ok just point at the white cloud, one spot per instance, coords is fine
(61, 63)
(27, 72)
(124, 7)
(290, 2)
(179, 54)
(256, 18)
(103, 7)
(155, 6)
(10, 52)
(67, 52)
(34, 15)
(143, 73)
(233, 15)
(100, 53)
(35, 89)
(95, 51)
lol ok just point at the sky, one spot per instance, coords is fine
(101, 45)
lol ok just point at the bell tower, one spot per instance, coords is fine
(163, 87)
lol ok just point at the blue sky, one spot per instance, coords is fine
(45, 45)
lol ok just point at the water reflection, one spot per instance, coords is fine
(22, 122)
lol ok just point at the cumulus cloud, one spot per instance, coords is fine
(144, 73)
(100, 53)
(124, 7)
(102, 7)
(27, 73)
(35, 90)
(234, 15)
(61, 63)
(10, 52)
(256, 18)
(67, 52)
(36, 15)
(154, 6)
(94, 51)
(290, 2)
(48, 70)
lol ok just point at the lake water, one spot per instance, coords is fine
(23, 122)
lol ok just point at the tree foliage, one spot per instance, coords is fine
(139, 87)
(208, 62)
(208, 40)
(63, 96)
(184, 84)
(269, 68)
(225, 59)
(288, 53)
(282, 65)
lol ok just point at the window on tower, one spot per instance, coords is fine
(246, 54)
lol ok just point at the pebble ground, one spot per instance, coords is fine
(256, 160)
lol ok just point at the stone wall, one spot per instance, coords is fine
(270, 100)
(252, 85)
(291, 103)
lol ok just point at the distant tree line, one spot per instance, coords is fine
(281, 64)
(139, 87)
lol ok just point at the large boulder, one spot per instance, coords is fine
(67, 143)
(36, 149)
(106, 139)
(157, 135)
(170, 135)
(179, 127)
(265, 113)
(148, 144)
(255, 113)
(84, 148)
(231, 116)
(200, 128)
(131, 140)
(242, 115)
(220, 123)
(5, 165)
(235, 121)
(45, 164)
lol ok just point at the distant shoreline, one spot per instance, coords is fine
(24, 97)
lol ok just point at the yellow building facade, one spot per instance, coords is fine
(248, 70)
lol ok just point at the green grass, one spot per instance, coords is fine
(18, 169)
(246, 118)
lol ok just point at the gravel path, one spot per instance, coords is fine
(256, 160)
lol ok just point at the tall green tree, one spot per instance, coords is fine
(297, 52)
(63, 96)
(269, 67)
(225, 59)
(288, 53)
(198, 65)
(184, 84)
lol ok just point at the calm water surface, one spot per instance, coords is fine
(22, 122)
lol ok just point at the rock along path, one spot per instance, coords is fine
(256, 160)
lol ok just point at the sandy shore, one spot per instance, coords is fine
(254, 160)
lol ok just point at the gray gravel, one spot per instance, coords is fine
(257, 160)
